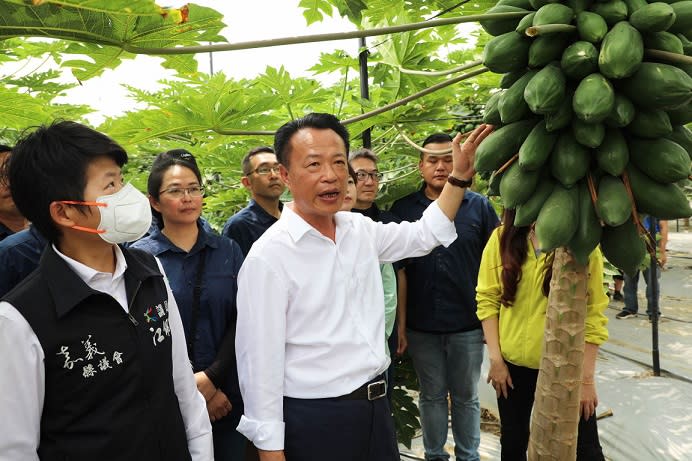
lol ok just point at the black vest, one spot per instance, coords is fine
(109, 391)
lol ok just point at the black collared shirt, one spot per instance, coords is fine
(246, 226)
(376, 214)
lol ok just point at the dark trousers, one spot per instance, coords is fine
(339, 430)
(515, 417)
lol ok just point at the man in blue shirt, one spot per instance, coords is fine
(19, 256)
(261, 178)
(445, 339)
(11, 220)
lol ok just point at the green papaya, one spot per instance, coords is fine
(658, 86)
(613, 11)
(527, 212)
(547, 48)
(579, 5)
(535, 150)
(517, 185)
(553, 13)
(680, 116)
(683, 18)
(589, 231)
(494, 184)
(588, 134)
(613, 202)
(622, 51)
(546, 90)
(686, 44)
(664, 201)
(622, 114)
(558, 219)
(680, 135)
(511, 105)
(613, 155)
(593, 99)
(497, 27)
(661, 159)
(591, 27)
(536, 4)
(663, 41)
(569, 160)
(491, 114)
(650, 124)
(623, 247)
(579, 60)
(501, 145)
(525, 23)
(654, 17)
(562, 116)
(508, 79)
(634, 5)
(506, 52)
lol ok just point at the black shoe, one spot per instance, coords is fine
(623, 314)
(617, 296)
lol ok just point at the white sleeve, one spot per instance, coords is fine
(260, 352)
(397, 241)
(22, 387)
(192, 405)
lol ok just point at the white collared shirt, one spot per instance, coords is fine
(311, 310)
(22, 374)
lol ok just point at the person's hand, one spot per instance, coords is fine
(204, 385)
(265, 455)
(219, 406)
(663, 259)
(403, 340)
(464, 154)
(589, 399)
(499, 377)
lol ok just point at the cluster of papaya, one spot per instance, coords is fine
(590, 120)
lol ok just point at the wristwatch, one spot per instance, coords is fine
(463, 183)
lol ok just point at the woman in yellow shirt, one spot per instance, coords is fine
(512, 296)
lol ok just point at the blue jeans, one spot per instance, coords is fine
(630, 291)
(448, 363)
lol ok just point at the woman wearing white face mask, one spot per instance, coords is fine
(202, 268)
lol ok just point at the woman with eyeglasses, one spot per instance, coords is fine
(202, 270)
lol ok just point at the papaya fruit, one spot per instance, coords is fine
(683, 18)
(494, 184)
(650, 124)
(558, 219)
(535, 150)
(680, 116)
(589, 230)
(506, 52)
(661, 159)
(525, 23)
(593, 99)
(497, 27)
(612, 12)
(634, 5)
(613, 155)
(517, 185)
(511, 105)
(591, 27)
(536, 4)
(569, 160)
(588, 134)
(546, 90)
(501, 145)
(553, 13)
(622, 51)
(623, 247)
(613, 203)
(547, 48)
(654, 17)
(579, 5)
(680, 135)
(579, 60)
(527, 212)
(658, 86)
(622, 114)
(491, 114)
(664, 41)
(562, 116)
(686, 44)
(663, 201)
(508, 79)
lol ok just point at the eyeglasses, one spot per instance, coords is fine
(363, 175)
(179, 192)
(265, 170)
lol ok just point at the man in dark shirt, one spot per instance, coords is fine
(11, 220)
(445, 339)
(19, 256)
(261, 178)
(364, 163)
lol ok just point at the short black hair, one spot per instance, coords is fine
(161, 164)
(434, 139)
(252, 153)
(282, 138)
(50, 164)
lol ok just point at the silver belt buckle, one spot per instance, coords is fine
(377, 390)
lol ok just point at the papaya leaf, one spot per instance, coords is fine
(315, 10)
(20, 110)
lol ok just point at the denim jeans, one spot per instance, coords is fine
(630, 291)
(448, 363)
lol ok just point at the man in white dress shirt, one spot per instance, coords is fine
(93, 360)
(310, 304)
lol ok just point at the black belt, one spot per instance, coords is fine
(372, 390)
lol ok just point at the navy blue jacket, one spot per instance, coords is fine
(247, 225)
(214, 343)
(441, 293)
(5, 232)
(19, 256)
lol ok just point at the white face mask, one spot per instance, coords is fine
(125, 215)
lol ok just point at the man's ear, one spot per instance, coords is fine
(283, 172)
(245, 181)
(62, 214)
(154, 203)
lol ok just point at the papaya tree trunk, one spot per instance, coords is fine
(555, 416)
